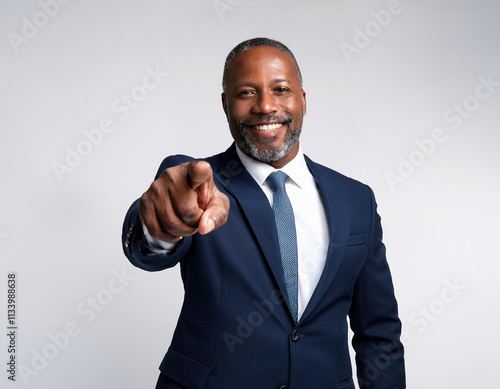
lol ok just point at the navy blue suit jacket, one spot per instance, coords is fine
(235, 329)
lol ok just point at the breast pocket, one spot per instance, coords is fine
(356, 240)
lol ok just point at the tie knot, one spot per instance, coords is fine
(277, 180)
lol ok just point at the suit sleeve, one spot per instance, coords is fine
(134, 243)
(374, 318)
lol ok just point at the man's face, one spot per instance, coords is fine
(264, 104)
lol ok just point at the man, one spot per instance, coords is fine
(272, 264)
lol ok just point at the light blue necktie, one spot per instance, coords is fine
(287, 236)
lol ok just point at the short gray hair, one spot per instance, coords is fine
(255, 42)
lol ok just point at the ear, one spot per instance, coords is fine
(224, 103)
(304, 110)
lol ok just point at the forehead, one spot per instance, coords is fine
(260, 62)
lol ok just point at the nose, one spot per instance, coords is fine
(265, 103)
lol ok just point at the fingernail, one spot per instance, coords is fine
(210, 225)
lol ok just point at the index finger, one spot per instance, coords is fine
(198, 173)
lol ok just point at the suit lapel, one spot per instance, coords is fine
(257, 210)
(255, 206)
(339, 222)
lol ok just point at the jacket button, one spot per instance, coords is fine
(127, 238)
(295, 335)
(283, 387)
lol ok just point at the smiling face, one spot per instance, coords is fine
(264, 104)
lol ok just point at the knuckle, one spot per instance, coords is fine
(158, 185)
(168, 179)
(167, 175)
(191, 217)
(145, 198)
(154, 191)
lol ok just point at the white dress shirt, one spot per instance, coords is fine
(311, 223)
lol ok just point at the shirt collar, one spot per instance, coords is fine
(296, 169)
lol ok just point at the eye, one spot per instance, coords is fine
(282, 90)
(245, 93)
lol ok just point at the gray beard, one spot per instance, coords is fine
(272, 155)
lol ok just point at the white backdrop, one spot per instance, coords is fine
(402, 95)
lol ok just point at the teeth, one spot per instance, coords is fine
(268, 127)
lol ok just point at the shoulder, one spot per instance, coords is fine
(337, 180)
(340, 190)
(177, 159)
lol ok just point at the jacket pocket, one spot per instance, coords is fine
(346, 384)
(185, 369)
(356, 240)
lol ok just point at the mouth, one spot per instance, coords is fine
(267, 127)
(267, 130)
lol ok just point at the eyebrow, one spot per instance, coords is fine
(275, 81)
(278, 80)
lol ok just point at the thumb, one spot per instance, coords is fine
(215, 215)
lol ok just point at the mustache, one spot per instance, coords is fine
(257, 119)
